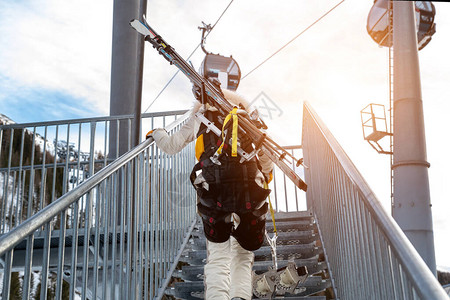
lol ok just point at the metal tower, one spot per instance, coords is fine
(126, 73)
(412, 208)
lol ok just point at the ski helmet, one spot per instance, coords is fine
(222, 68)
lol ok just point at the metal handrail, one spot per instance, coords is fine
(12, 238)
(38, 171)
(93, 119)
(285, 195)
(134, 228)
(357, 229)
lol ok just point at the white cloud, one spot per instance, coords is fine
(59, 46)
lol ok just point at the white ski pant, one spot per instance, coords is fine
(228, 271)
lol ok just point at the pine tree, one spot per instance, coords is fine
(443, 277)
(37, 293)
(65, 291)
(15, 292)
(10, 155)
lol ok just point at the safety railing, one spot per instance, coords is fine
(40, 162)
(368, 254)
(119, 236)
(285, 196)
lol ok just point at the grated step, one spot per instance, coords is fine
(290, 297)
(200, 295)
(195, 273)
(195, 289)
(284, 225)
(284, 238)
(292, 216)
(264, 253)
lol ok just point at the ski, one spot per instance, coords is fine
(214, 97)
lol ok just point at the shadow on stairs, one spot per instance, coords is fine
(298, 240)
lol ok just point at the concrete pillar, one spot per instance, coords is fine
(126, 73)
(412, 208)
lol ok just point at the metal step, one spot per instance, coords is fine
(293, 215)
(195, 289)
(284, 238)
(195, 273)
(282, 226)
(264, 253)
(297, 298)
(292, 221)
(200, 295)
(297, 236)
(290, 216)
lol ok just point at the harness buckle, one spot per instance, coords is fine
(215, 158)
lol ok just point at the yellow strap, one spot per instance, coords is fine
(234, 133)
(199, 147)
(272, 213)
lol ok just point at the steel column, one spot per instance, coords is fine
(412, 208)
(126, 69)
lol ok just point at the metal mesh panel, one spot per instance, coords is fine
(117, 235)
(369, 256)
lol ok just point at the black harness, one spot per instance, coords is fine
(231, 188)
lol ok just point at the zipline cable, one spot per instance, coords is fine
(315, 22)
(192, 53)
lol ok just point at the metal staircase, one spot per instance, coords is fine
(86, 226)
(298, 240)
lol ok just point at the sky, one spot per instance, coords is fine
(55, 62)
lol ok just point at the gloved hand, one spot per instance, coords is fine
(268, 176)
(149, 134)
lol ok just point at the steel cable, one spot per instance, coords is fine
(276, 52)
